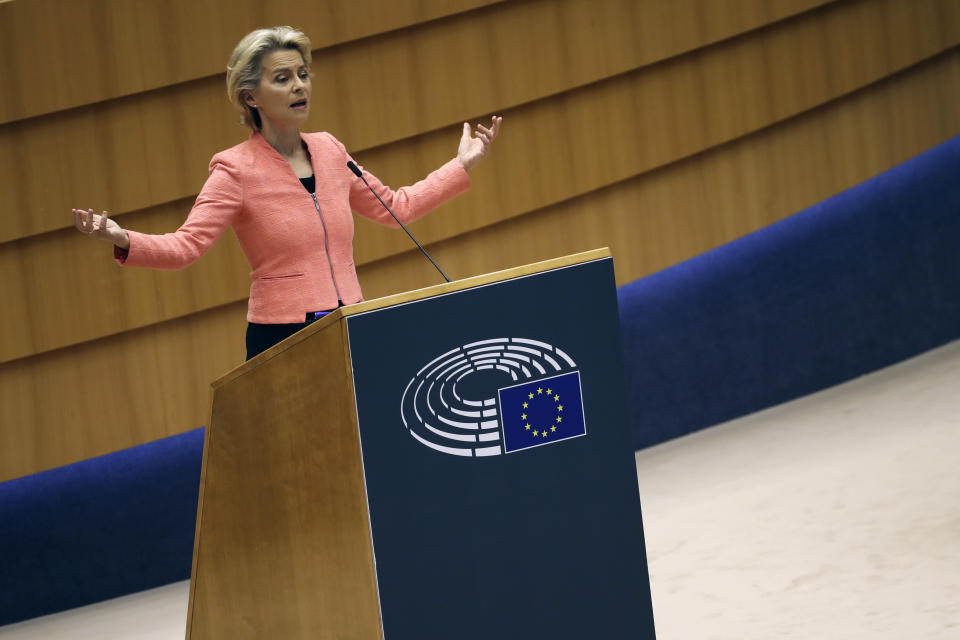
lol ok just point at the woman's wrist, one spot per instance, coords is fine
(123, 241)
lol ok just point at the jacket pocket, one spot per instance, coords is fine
(278, 296)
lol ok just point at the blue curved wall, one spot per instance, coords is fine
(100, 528)
(858, 282)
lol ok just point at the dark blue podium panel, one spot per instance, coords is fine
(500, 475)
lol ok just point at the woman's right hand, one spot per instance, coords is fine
(101, 227)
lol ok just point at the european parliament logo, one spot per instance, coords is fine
(495, 396)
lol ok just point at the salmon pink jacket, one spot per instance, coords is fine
(299, 246)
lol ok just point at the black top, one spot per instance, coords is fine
(310, 184)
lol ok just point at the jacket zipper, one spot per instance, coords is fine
(326, 247)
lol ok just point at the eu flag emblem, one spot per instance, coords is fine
(541, 412)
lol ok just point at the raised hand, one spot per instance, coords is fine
(474, 147)
(101, 227)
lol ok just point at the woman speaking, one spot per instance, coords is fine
(288, 196)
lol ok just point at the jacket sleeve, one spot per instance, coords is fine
(408, 203)
(215, 209)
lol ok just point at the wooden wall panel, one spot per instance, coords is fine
(54, 276)
(139, 385)
(154, 147)
(95, 50)
(660, 218)
(609, 131)
(583, 139)
(120, 391)
(537, 48)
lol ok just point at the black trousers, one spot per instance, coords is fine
(261, 337)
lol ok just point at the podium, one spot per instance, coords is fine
(450, 463)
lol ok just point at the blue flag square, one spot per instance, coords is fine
(541, 412)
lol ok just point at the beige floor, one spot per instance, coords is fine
(833, 516)
(157, 614)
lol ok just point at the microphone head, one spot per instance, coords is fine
(354, 168)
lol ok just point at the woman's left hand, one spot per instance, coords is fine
(473, 148)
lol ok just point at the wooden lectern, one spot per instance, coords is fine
(453, 462)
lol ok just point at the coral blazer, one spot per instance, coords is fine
(299, 246)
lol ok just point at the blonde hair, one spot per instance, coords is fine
(246, 65)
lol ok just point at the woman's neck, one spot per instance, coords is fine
(286, 142)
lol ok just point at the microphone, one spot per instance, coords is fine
(359, 174)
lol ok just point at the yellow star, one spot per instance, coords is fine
(556, 398)
(527, 427)
(549, 391)
(560, 408)
(553, 428)
(535, 432)
(559, 419)
(524, 405)
(530, 396)
(523, 416)
(539, 391)
(544, 434)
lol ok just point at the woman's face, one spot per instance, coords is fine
(283, 97)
